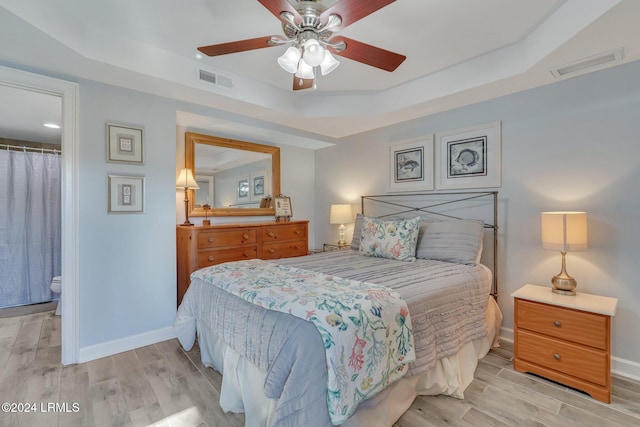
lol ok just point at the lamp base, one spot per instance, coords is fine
(187, 225)
(564, 284)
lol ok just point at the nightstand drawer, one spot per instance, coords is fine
(567, 324)
(207, 258)
(220, 238)
(572, 359)
(284, 249)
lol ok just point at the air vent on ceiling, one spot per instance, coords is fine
(591, 63)
(213, 78)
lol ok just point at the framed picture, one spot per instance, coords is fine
(125, 144)
(242, 189)
(282, 206)
(259, 184)
(125, 194)
(470, 157)
(411, 164)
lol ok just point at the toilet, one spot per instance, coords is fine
(56, 287)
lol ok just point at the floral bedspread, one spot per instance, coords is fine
(366, 328)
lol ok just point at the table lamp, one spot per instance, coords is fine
(341, 214)
(187, 181)
(564, 232)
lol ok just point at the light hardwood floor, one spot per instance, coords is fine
(161, 385)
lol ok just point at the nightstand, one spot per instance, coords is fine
(335, 247)
(565, 338)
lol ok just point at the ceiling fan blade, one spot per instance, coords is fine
(278, 6)
(352, 10)
(299, 83)
(367, 54)
(237, 46)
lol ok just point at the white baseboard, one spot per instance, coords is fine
(121, 345)
(621, 367)
(506, 334)
(625, 368)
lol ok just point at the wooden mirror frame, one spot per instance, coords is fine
(190, 139)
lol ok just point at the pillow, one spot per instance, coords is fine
(389, 239)
(357, 232)
(456, 240)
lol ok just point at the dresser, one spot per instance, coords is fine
(565, 338)
(202, 246)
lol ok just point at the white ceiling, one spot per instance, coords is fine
(458, 52)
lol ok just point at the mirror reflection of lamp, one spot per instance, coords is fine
(187, 181)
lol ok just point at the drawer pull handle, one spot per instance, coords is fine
(556, 323)
(556, 356)
(245, 236)
(245, 254)
(210, 239)
(297, 232)
(210, 258)
(271, 251)
(270, 234)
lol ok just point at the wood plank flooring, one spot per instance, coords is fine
(162, 385)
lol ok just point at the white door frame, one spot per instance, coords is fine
(69, 93)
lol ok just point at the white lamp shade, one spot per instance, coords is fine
(305, 71)
(186, 180)
(313, 53)
(564, 231)
(289, 60)
(329, 63)
(341, 214)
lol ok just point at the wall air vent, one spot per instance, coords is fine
(589, 64)
(213, 78)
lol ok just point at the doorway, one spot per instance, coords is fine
(68, 94)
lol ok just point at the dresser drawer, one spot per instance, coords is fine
(284, 249)
(220, 238)
(207, 258)
(567, 324)
(287, 232)
(572, 359)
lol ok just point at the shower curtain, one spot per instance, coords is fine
(30, 226)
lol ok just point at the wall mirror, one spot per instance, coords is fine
(233, 176)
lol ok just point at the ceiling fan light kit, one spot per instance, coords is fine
(308, 27)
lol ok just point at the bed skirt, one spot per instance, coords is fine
(242, 382)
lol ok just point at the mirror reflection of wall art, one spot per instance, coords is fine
(125, 144)
(125, 194)
(259, 184)
(469, 158)
(411, 164)
(243, 189)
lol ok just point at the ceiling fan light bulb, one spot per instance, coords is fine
(313, 52)
(305, 71)
(289, 60)
(329, 63)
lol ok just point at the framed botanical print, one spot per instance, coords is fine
(470, 157)
(125, 194)
(125, 144)
(411, 164)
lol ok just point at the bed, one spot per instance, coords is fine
(276, 363)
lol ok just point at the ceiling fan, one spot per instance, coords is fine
(309, 29)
